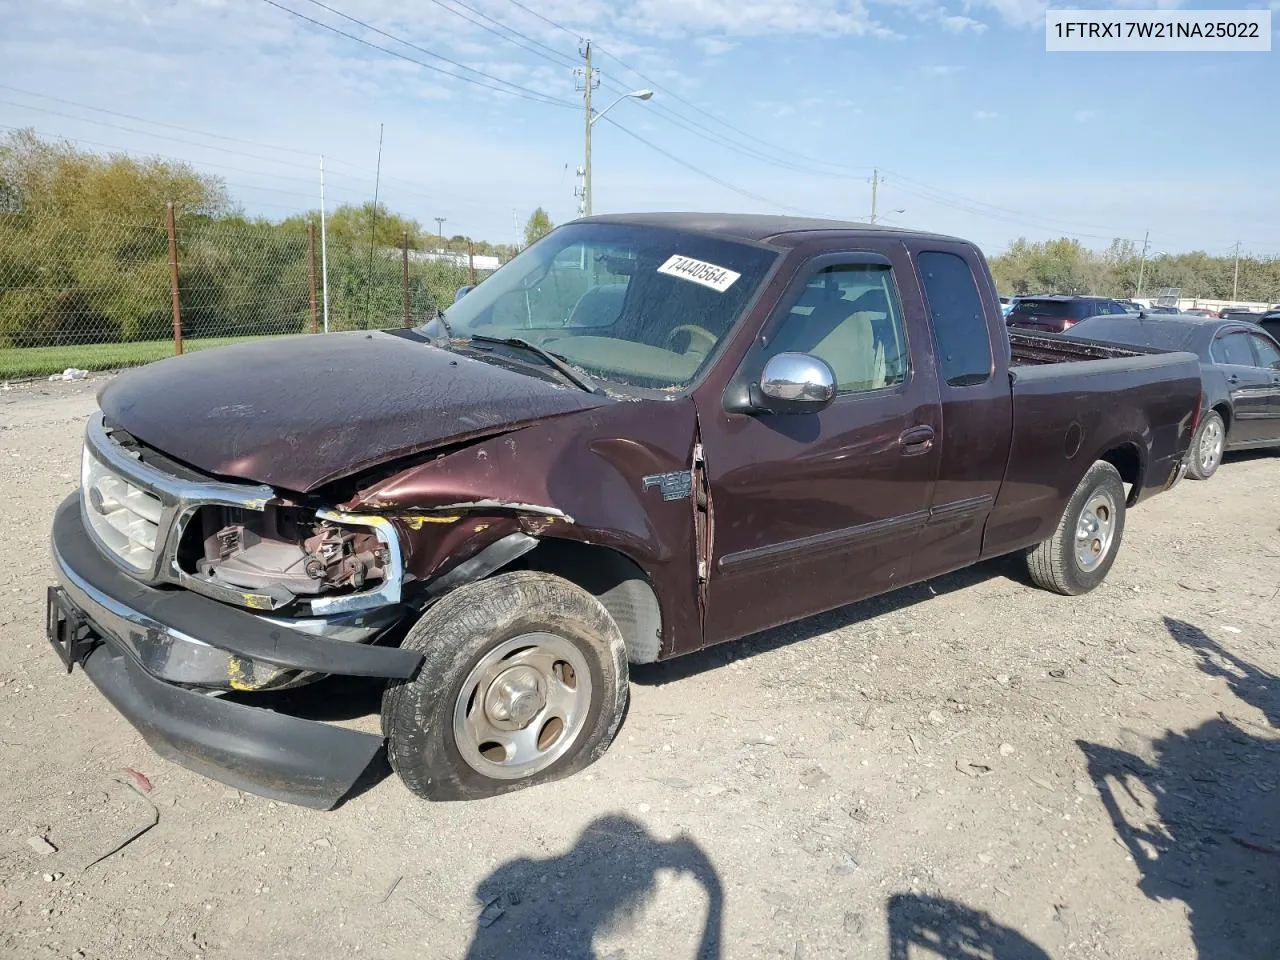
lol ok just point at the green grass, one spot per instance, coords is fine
(17, 363)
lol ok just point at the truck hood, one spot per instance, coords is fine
(300, 412)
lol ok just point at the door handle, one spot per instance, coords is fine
(1233, 379)
(916, 440)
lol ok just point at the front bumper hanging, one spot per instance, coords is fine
(144, 647)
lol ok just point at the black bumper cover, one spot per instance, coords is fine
(271, 754)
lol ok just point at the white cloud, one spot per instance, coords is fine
(749, 17)
(718, 46)
(959, 24)
(941, 70)
(1084, 116)
(985, 115)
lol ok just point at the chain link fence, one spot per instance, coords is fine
(100, 295)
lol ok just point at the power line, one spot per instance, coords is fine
(545, 19)
(156, 123)
(724, 123)
(346, 193)
(506, 86)
(1005, 216)
(536, 47)
(702, 173)
(760, 155)
(1008, 210)
(149, 133)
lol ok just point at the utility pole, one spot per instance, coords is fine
(1235, 283)
(1142, 261)
(875, 183)
(589, 83)
(440, 222)
(324, 251)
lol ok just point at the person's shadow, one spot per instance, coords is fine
(949, 930)
(1200, 812)
(552, 909)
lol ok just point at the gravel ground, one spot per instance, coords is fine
(966, 768)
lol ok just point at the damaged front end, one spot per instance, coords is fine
(295, 564)
(315, 561)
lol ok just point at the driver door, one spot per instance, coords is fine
(811, 511)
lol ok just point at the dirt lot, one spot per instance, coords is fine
(967, 768)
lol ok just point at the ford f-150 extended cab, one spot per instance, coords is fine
(644, 435)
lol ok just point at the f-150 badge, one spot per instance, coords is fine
(674, 486)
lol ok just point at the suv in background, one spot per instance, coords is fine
(1054, 314)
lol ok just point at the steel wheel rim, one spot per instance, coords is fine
(1210, 445)
(1095, 531)
(522, 706)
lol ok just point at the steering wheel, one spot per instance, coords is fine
(695, 332)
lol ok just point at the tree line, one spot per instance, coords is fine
(84, 254)
(1066, 266)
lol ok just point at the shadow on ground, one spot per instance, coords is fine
(1011, 567)
(1200, 812)
(553, 908)
(947, 930)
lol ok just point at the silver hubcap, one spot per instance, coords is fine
(1210, 445)
(1095, 531)
(522, 706)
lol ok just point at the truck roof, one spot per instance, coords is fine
(753, 226)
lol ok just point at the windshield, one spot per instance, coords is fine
(642, 306)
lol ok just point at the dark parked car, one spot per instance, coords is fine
(1240, 365)
(1270, 322)
(644, 435)
(1054, 314)
(1240, 314)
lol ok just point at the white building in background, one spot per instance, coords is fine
(482, 262)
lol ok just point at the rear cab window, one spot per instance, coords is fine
(960, 331)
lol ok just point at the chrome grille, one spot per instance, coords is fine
(125, 518)
(136, 512)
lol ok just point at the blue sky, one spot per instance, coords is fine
(976, 129)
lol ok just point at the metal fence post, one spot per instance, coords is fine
(311, 270)
(471, 261)
(173, 278)
(404, 246)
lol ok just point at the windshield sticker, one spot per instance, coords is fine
(706, 274)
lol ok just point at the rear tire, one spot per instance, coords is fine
(1207, 446)
(1081, 551)
(523, 680)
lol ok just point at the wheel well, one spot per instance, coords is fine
(1128, 463)
(613, 579)
(1224, 411)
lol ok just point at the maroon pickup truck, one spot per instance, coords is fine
(644, 435)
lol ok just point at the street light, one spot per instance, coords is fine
(592, 117)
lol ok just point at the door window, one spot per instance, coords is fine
(1233, 349)
(959, 322)
(1268, 355)
(849, 315)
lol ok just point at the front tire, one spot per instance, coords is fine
(1207, 445)
(523, 681)
(1081, 551)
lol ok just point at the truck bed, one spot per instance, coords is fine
(1071, 399)
(1034, 349)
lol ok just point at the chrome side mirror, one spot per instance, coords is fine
(797, 383)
